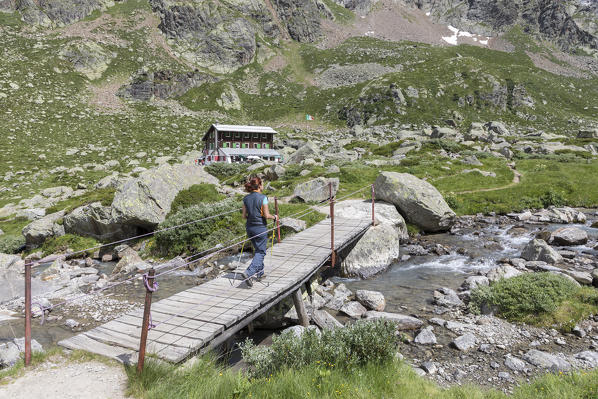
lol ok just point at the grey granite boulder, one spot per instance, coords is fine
(417, 200)
(547, 360)
(465, 342)
(373, 253)
(402, 321)
(372, 300)
(384, 213)
(353, 309)
(316, 190)
(568, 236)
(145, 201)
(538, 249)
(95, 220)
(40, 230)
(426, 336)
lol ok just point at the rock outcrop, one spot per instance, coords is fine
(417, 200)
(163, 84)
(55, 13)
(97, 221)
(301, 18)
(40, 230)
(316, 190)
(145, 201)
(373, 253)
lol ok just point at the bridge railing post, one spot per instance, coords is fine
(277, 218)
(28, 312)
(373, 206)
(333, 252)
(146, 319)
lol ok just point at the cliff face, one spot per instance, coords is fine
(548, 18)
(53, 12)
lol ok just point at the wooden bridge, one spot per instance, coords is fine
(209, 314)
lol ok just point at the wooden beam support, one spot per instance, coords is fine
(300, 308)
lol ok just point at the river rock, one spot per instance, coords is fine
(579, 276)
(316, 190)
(547, 361)
(559, 215)
(9, 354)
(325, 320)
(568, 236)
(426, 337)
(589, 357)
(473, 282)
(538, 249)
(373, 253)
(502, 272)
(96, 220)
(402, 321)
(372, 300)
(417, 200)
(145, 201)
(129, 262)
(296, 225)
(447, 297)
(40, 230)
(465, 342)
(353, 309)
(384, 212)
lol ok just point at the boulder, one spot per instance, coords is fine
(547, 360)
(296, 225)
(275, 172)
(498, 128)
(447, 297)
(40, 230)
(589, 357)
(417, 200)
(325, 320)
(316, 190)
(402, 321)
(129, 262)
(567, 236)
(473, 282)
(95, 220)
(145, 201)
(384, 212)
(514, 363)
(426, 337)
(372, 300)
(538, 249)
(373, 253)
(584, 278)
(306, 151)
(353, 309)
(11, 262)
(9, 354)
(502, 272)
(465, 342)
(587, 133)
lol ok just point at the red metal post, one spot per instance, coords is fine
(277, 218)
(373, 206)
(145, 325)
(333, 252)
(28, 312)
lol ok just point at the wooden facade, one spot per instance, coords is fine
(236, 137)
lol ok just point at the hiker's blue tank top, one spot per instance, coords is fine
(253, 204)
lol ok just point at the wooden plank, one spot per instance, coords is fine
(155, 336)
(82, 342)
(164, 322)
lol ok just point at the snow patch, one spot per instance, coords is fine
(454, 39)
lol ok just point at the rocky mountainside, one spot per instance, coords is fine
(549, 18)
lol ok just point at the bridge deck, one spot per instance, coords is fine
(210, 313)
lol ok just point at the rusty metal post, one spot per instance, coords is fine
(146, 316)
(373, 206)
(277, 218)
(333, 252)
(28, 312)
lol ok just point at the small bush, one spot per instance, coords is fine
(355, 345)
(11, 243)
(194, 195)
(202, 235)
(223, 170)
(537, 298)
(552, 197)
(68, 242)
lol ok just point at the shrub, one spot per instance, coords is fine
(537, 298)
(355, 345)
(223, 170)
(194, 195)
(68, 242)
(202, 235)
(11, 243)
(552, 197)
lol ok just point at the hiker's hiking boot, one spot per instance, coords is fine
(247, 279)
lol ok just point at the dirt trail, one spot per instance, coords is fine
(516, 180)
(61, 379)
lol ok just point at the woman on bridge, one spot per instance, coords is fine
(256, 212)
